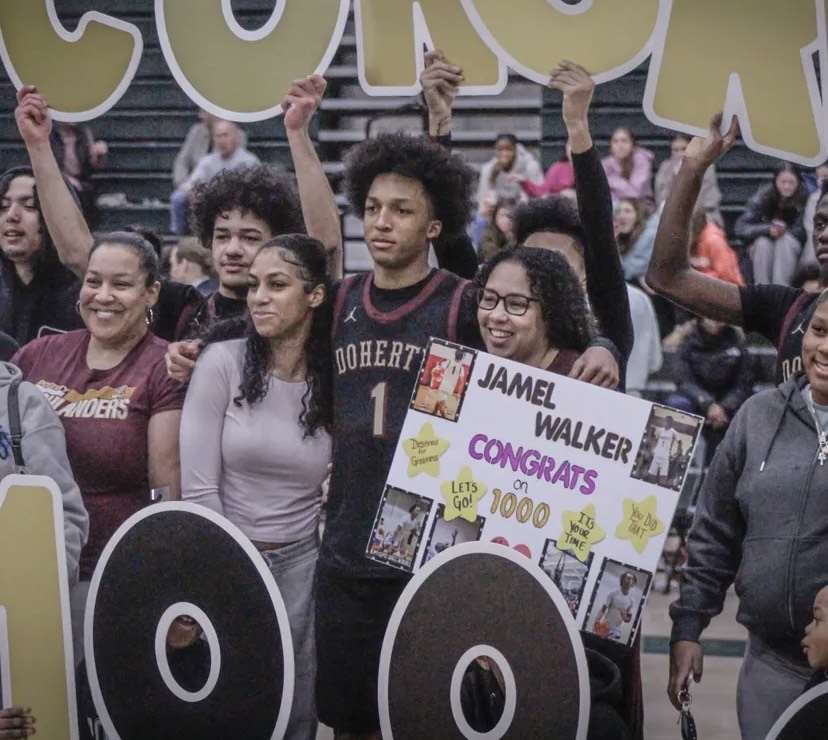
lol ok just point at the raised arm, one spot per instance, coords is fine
(604, 276)
(319, 207)
(670, 273)
(64, 220)
(440, 80)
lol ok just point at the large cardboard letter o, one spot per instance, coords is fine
(470, 596)
(180, 553)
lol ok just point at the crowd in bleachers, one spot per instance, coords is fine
(242, 302)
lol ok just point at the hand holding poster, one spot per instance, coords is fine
(581, 480)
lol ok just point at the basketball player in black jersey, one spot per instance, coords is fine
(778, 312)
(408, 191)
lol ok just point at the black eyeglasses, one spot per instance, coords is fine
(514, 303)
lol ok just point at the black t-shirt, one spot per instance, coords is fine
(45, 306)
(781, 314)
(176, 303)
(182, 312)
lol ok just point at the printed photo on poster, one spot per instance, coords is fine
(398, 528)
(448, 534)
(666, 447)
(567, 573)
(443, 379)
(616, 601)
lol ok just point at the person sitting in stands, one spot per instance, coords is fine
(773, 226)
(560, 177)
(710, 197)
(498, 233)
(714, 377)
(498, 175)
(710, 252)
(629, 168)
(192, 264)
(197, 145)
(228, 154)
(635, 234)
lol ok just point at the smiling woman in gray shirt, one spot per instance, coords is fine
(255, 445)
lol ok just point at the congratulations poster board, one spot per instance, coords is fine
(581, 480)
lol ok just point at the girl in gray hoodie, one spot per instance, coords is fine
(43, 448)
(762, 523)
(44, 453)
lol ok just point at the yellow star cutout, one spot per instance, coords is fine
(580, 532)
(462, 495)
(640, 522)
(424, 452)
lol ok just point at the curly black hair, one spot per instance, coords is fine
(46, 260)
(261, 189)
(552, 282)
(310, 258)
(446, 178)
(556, 214)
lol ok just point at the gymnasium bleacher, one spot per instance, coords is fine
(145, 129)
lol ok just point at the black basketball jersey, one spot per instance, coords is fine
(789, 342)
(377, 356)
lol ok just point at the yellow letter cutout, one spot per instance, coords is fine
(607, 37)
(750, 58)
(243, 75)
(83, 73)
(391, 35)
(36, 644)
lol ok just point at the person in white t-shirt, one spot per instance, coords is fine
(666, 439)
(404, 529)
(618, 607)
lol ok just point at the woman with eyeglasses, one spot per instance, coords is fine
(532, 309)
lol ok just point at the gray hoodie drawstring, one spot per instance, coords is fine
(788, 396)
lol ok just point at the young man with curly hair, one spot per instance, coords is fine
(233, 214)
(408, 191)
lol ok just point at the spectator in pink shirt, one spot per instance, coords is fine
(629, 168)
(559, 177)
